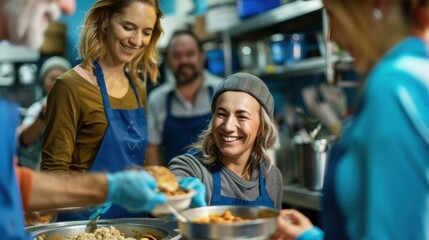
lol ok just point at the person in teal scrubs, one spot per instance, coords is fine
(377, 181)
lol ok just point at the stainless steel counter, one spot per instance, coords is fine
(301, 197)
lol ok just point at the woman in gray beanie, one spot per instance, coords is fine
(230, 157)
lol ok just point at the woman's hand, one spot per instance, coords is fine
(291, 224)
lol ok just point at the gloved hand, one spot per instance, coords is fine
(134, 191)
(199, 200)
(100, 209)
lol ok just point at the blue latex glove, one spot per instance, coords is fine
(134, 191)
(101, 209)
(199, 200)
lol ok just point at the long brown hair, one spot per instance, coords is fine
(93, 44)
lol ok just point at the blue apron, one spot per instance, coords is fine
(180, 132)
(11, 220)
(124, 144)
(217, 199)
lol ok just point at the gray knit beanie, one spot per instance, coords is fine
(51, 63)
(248, 83)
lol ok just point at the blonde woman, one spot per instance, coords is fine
(96, 114)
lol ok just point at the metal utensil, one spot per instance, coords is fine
(177, 214)
(92, 225)
(315, 131)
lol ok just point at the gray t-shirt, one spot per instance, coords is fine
(234, 186)
(179, 106)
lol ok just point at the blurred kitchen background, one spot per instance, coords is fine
(281, 41)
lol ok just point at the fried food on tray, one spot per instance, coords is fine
(225, 217)
(165, 179)
(34, 218)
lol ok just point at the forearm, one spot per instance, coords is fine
(50, 191)
(29, 134)
(152, 155)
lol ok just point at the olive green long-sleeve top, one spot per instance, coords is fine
(76, 122)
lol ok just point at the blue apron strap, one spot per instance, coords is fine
(216, 180)
(134, 89)
(102, 85)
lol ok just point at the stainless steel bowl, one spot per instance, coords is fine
(262, 227)
(130, 227)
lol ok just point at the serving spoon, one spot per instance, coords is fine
(177, 214)
(92, 225)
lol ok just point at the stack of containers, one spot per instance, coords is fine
(248, 8)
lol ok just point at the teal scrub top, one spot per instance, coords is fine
(382, 180)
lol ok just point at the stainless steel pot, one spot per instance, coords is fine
(132, 227)
(262, 227)
(312, 159)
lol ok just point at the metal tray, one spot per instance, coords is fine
(262, 227)
(131, 226)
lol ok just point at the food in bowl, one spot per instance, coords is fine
(261, 223)
(164, 178)
(225, 217)
(178, 198)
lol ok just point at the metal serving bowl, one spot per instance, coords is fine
(130, 227)
(262, 226)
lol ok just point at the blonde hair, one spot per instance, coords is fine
(265, 140)
(93, 44)
(349, 13)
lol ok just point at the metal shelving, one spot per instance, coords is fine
(300, 197)
(314, 65)
(14, 53)
(278, 15)
(273, 17)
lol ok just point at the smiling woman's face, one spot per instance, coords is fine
(27, 20)
(129, 32)
(236, 123)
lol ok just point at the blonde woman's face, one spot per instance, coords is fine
(236, 122)
(129, 32)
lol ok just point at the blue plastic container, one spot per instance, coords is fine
(216, 61)
(248, 8)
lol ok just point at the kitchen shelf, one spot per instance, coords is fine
(308, 66)
(277, 15)
(306, 14)
(14, 53)
(300, 197)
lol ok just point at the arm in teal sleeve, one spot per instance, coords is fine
(314, 233)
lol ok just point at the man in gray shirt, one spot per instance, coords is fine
(180, 108)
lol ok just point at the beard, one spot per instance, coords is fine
(27, 21)
(184, 77)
